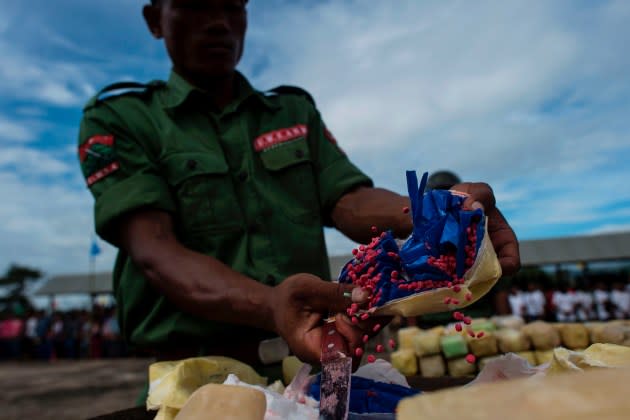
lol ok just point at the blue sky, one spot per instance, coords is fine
(532, 97)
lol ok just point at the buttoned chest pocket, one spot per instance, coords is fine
(204, 192)
(293, 188)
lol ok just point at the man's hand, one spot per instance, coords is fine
(502, 236)
(301, 303)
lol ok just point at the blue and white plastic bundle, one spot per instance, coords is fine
(448, 262)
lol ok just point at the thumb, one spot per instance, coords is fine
(334, 297)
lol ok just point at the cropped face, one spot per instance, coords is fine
(204, 38)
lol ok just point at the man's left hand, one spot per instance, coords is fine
(501, 234)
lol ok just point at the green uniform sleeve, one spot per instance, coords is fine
(336, 173)
(117, 169)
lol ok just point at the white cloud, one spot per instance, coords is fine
(30, 162)
(34, 78)
(47, 226)
(15, 131)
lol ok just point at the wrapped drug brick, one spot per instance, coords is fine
(512, 341)
(542, 335)
(290, 367)
(543, 356)
(483, 324)
(447, 263)
(405, 337)
(594, 394)
(459, 368)
(574, 336)
(432, 366)
(214, 401)
(608, 333)
(405, 361)
(453, 346)
(529, 356)
(426, 343)
(483, 346)
(508, 321)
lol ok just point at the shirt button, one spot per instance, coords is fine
(299, 154)
(191, 164)
(254, 228)
(242, 176)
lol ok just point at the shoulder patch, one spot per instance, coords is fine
(98, 158)
(121, 88)
(293, 90)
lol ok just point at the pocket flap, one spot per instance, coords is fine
(286, 154)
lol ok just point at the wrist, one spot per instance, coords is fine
(267, 311)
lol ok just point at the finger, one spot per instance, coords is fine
(481, 196)
(353, 337)
(309, 346)
(505, 243)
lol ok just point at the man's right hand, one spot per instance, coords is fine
(300, 304)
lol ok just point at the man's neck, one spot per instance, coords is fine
(219, 90)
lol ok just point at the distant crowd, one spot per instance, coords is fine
(76, 334)
(600, 302)
(81, 334)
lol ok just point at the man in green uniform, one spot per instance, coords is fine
(216, 195)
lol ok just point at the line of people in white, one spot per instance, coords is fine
(569, 305)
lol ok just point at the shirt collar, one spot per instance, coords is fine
(178, 91)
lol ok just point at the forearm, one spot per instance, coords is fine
(205, 287)
(197, 284)
(357, 211)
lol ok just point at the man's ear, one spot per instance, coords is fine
(152, 16)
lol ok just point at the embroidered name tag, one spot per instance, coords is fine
(273, 138)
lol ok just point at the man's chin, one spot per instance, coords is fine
(216, 69)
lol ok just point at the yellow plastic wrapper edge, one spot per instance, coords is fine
(172, 383)
(478, 280)
(595, 356)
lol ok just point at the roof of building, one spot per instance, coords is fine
(77, 284)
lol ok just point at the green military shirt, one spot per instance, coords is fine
(251, 185)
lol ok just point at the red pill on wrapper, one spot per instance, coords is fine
(405, 210)
(470, 358)
(376, 327)
(480, 334)
(379, 348)
(365, 338)
(458, 327)
(358, 352)
(392, 344)
(371, 358)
